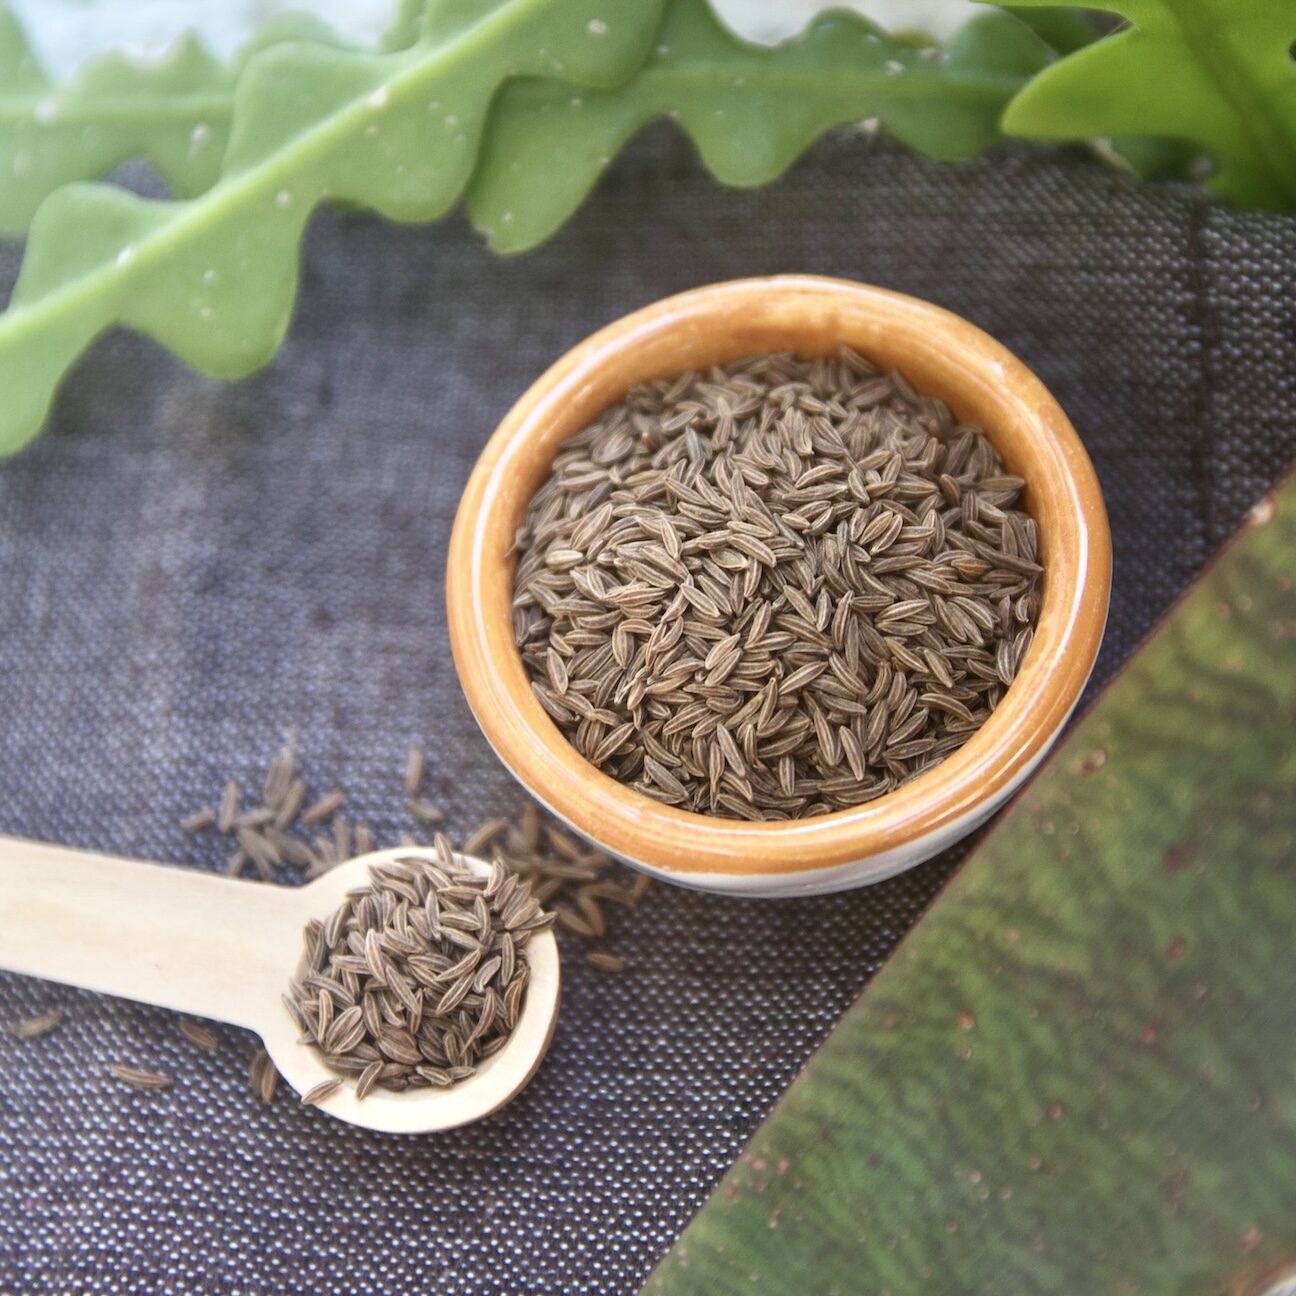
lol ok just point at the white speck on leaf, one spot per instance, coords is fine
(451, 122)
(507, 218)
(283, 197)
(371, 131)
(210, 277)
(204, 312)
(596, 27)
(126, 255)
(380, 97)
(894, 67)
(662, 50)
(576, 101)
(47, 110)
(21, 163)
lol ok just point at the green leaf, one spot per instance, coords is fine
(751, 110)
(174, 111)
(1151, 158)
(1063, 30)
(406, 26)
(1217, 73)
(1078, 1073)
(214, 278)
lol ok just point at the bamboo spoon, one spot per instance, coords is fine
(221, 948)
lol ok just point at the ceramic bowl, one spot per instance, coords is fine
(941, 354)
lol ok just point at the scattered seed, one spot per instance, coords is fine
(604, 961)
(279, 777)
(413, 771)
(197, 821)
(425, 811)
(35, 1027)
(328, 805)
(342, 837)
(290, 805)
(575, 923)
(264, 1076)
(138, 1078)
(199, 1035)
(482, 836)
(228, 807)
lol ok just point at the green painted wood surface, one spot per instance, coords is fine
(1078, 1074)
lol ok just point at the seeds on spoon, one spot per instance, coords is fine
(325, 1089)
(413, 979)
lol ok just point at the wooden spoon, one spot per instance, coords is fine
(222, 948)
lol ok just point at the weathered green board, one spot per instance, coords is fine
(1078, 1074)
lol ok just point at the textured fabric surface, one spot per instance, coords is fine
(192, 570)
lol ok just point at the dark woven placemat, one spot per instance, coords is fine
(189, 570)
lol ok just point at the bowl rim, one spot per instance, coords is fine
(1011, 741)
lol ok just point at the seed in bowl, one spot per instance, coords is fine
(417, 977)
(777, 589)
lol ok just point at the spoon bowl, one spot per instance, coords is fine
(225, 949)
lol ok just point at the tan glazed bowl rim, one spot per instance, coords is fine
(940, 353)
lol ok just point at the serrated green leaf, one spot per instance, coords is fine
(174, 111)
(751, 110)
(1218, 73)
(213, 278)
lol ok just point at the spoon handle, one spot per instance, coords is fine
(201, 944)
